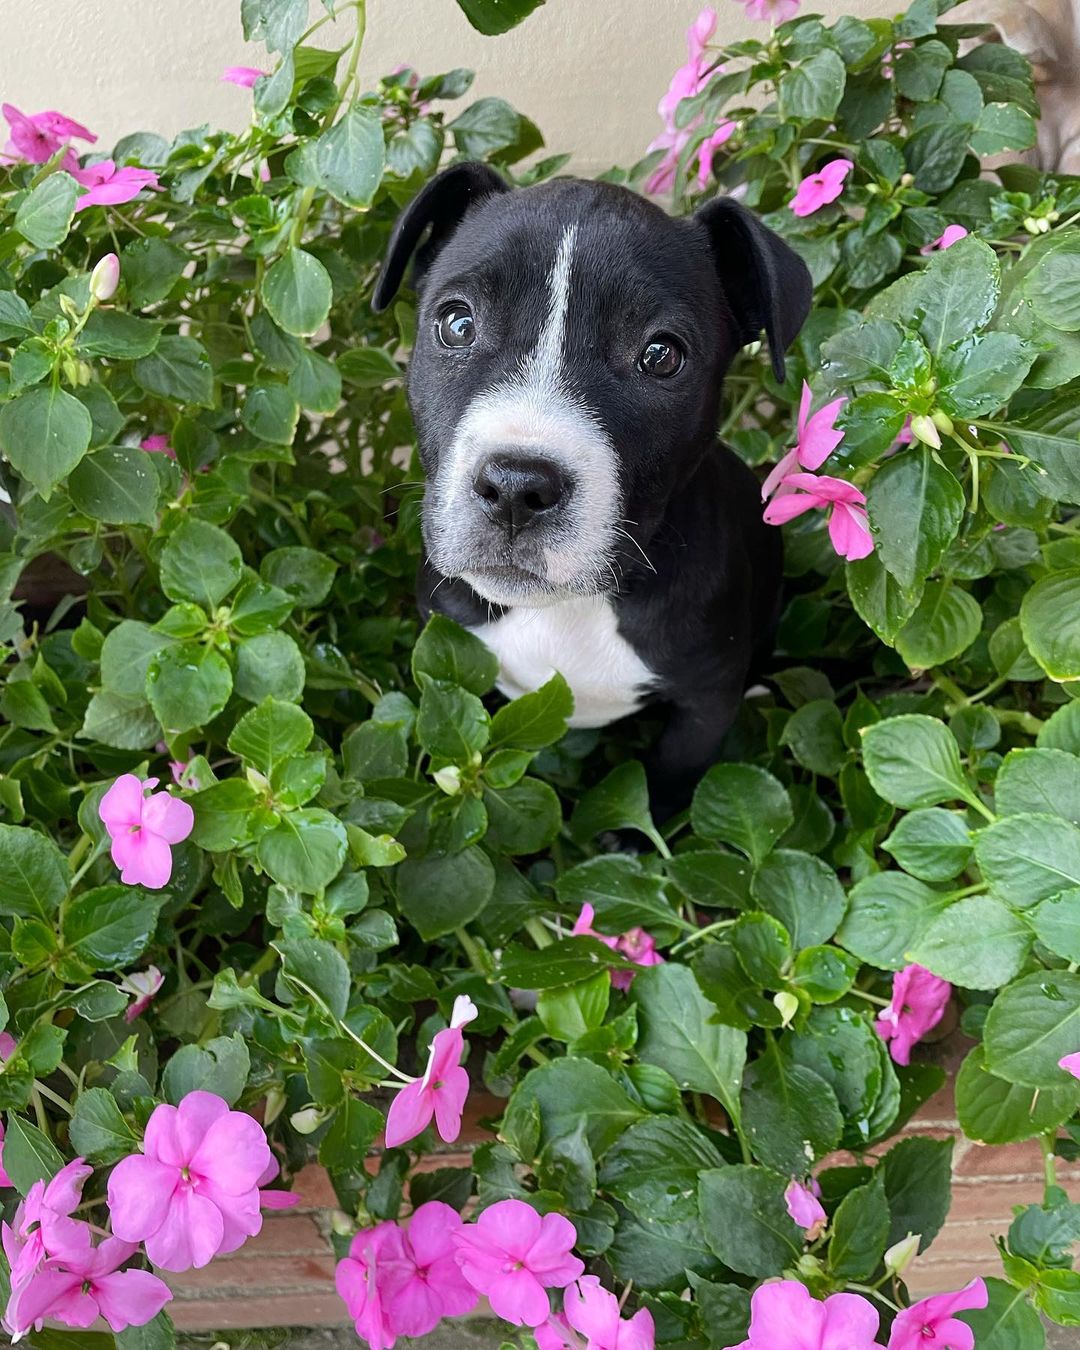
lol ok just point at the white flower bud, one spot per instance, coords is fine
(449, 779)
(307, 1121)
(923, 429)
(105, 277)
(901, 1254)
(787, 1005)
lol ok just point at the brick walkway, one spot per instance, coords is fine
(285, 1276)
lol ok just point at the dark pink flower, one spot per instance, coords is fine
(143, 986)
(143, 830)
(783, 1316)
(106, 185)
(38, 137)
(244, 76)
(594, 1312)
(930, 1324)
(158, 444)
(709, 148)
(771, 11)
(849, 529)
(1071, 1064)
(918, 1004)
(815, 441)
(636, 945)
(442, 1090)
(804, 1207)
(374, 1255)
(426, 1285)
(821, 188)
(193, 1191)
(513, 1256)
(952, 234)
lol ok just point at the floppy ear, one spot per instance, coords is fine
(764, 280)
(440, 204)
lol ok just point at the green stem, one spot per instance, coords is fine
(1046, 1143)
(472, 951)
(53, 1097)
(538, 933)
(871, 998)
(701, 933)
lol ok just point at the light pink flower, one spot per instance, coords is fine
(701, 33)
(513, 1255)
(821, 188)
(143, 986)
(930, 1323)
(709, 148)
(815, 441)
(426, 1285)
(592, 1311)
(38, 137)
(849, 529)
(244, 76)
(374, 1254)
(1071, 1064)
(662, 178)
(689, 80)
(106, 185)
(143, 829)
(636, 945)
(7, 1049)
(193, 1191)
(783, 1316)
(274, 1199)
(888, 58)
(105, 277)
(804, 1207)
(952, 234)
(771, 11)
(43, 1226)
(158, 444)
(918, 1004)
(442, 1090)
(905, 435)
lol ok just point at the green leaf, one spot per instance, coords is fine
(269, 665)
(1008, 1322)
(978, 943)
(566, 961)
(158, 1334)
(438, 894)
(305, 851)
(746, 1220)
(812, 90)
(302, 573)
(992, 1110)
(982, 372)
(187, 686)
(1053, 285)
(653, 1169)
(569, 1091)
(957, 293)
(446, 652)
(679, 1035)
(1056, 921)
(918, 1187)
(860, 1231)
(913, 760)
(919, 71)
(790, 1115)
(878, 598)
(150, 268)
(44, 433)
(523, 818)
(802, 892)
(842, 1047)
(815, 733)
(271, 733)
(931, 844)
(317, 965)
(1033, 1024)
(1027, 858)
(946, 623)
(126, 654)
(16, 321)
(453, 724)
(618, 802)
(117, 485)
(35, 874)
(98, 1130)
(355, 1127)
(741, 805)
(297, 292)
(1050, 619)
(178, 369)
(623, 894)
(533, 721)
(491, 17)
(109, 927)
(123, 337)
(485, 127)
(571, 1011)
(220, 1066)
(200, 563)
(23, 705)
(45, 214)
(271, 414)
(29, 1155)
(346, 161)
(1044, 781)
(1003, 126)
(915, 506)
(278, 23)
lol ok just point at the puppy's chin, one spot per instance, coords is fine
(512, 588)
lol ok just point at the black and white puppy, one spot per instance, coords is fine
(580, 514)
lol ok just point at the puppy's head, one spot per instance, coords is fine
(571, 343)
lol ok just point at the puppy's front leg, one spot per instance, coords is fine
(690, 743)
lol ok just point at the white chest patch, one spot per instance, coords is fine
(580, 640)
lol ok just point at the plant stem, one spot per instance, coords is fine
(53, 1097)
(701, 933)
(1046, 1143)
(538, 933)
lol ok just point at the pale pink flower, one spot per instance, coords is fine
(106, 185)
(804, 1207)
(1071, 1064)
(662, 178)
(689, 80)
(43, 1227)
(244, 76)
(105, 277)
(821, 188)
(905, 435)
(38, 137)
(919, 999)
(701, 33)
(513, 1256)
(849, 529)
(783, 1316)
(427, 1284)
(771, 11)
(592, 1311)
(374, 1254)
(952, 234)
(193, 1191)
(143, 829)
(709, 147)
(930, 1323)
(143, 986)
(442, 1090)
(158, 444)
(816, 439)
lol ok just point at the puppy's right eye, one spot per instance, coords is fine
(455, 326)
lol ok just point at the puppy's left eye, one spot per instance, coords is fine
(663, 357)
(455, 326)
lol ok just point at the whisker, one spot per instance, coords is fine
(627, 535)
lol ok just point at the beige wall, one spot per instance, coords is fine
(589, 72)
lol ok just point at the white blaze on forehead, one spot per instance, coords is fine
(544, 366)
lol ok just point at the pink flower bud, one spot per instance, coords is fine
(105, 277)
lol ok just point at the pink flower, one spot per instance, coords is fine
(158, 444)
(888, 58)
(849, 529)
(700, 33)
(273, 1199)
(142, 830)
(244, 76)
(709, 148)
(105, 277)
(783, 1316)
(952, 234)
(442, 1090)
(43, 1226)
(513, 1255)
(821, 188)
(109, 186)
(918, 1004)
(593, 1311)
(426, 1285)
(817, 438)
(690, 79)
(662, 178)
(636, 945)
(804, 1207)
(80, 1286)
(193, 1191)
(143, 985)
(374, 1254)
(38, 137)
(772, 11)
(905, 435)
(930, 1323)
(1071, 1064)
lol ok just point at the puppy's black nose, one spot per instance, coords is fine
(513, 492)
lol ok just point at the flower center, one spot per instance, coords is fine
(511, 1266)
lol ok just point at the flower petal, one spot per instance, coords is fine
(409, 1114)
(140, 1194)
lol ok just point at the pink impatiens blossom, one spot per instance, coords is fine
(427, 1284)
(42, 1226)
(771, 11)
(513, 1256)
(783, 1316)
(38, 137)
(359, 1278)
(158, 444)
(817, 438)
(709, 148)
(244, 76)
(952, 234)
(821, 188)
(106, 185)
(918, 1004)
(442, 1090)
(930, 1323)
(143, 986)
(804, 1208)
(1071, 1064)
(193, 1191)
(690, 79)
(274, 1199)
(636, 945)
(143, 829)
(849, 529)
(594, 1312)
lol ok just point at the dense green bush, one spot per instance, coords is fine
(376, 835)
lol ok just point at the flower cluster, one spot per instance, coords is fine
(636, 945)
(689, 80)
(37, 138)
